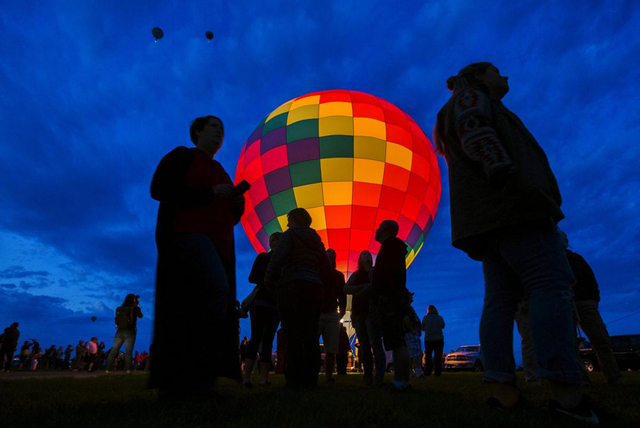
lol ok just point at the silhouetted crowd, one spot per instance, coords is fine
(504, 205)
(85, 356)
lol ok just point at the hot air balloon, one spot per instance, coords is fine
(352, 160)
(209, 35)
(157, 33)
(94, 318)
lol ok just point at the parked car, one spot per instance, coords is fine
(467, 357)
(626, 351)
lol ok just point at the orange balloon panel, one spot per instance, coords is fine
(352, 160)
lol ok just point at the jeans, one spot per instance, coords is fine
(374, 326)
(264, 323)
(129, 339)
(529, 362)
(591, 323)
(202, 266)
(434, 347)
(365, 355)
(529, 256)
(299, 307)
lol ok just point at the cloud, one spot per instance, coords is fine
(20, 272)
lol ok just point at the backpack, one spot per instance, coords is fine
(124, 318)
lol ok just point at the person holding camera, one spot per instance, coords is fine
(126, 319)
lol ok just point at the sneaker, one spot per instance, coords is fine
(129, 371)
(494, 403)
(397, 386)
(267, 383)
(247, 384)
(581, 412)
(107, 371)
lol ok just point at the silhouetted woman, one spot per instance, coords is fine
(296, 271)
(264, 318)
(505, 204)
(126, 322)
(432, 325)
(358, 286)
(195, 283)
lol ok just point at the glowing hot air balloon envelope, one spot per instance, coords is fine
(352, 160)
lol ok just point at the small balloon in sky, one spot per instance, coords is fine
(94, 318)
(157, 33)
(209, 35)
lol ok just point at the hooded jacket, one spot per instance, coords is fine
(499, 176)
(389, 279)
(299, 256)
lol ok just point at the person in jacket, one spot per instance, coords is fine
(264, 318)
(586, 295)
(390, 294)
(126, 323)
(359, 287)
(296, 271)
(195, 281)
(80, 353)
(432, 325)
(67, 357)
(334, 303)
(8, 346)
(505, 204)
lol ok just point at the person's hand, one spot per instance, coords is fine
(223, 190)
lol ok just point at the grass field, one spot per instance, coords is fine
(453, 400)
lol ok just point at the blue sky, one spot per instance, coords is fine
(90, 104)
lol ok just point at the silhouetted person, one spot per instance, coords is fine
(67, 357)
(586, 295)
(91, 355)
(296, 271)
(334, 305)
(25, 354)
(505, 204)
(8, 345)
(195, 282)
(432, 325)
(281, 351)
(80, 353)
(359, 286)
(242, 351)
(264, 317)
(36, 355)
(413, 328)
(342, 357)
(389, 291)
(126, 323)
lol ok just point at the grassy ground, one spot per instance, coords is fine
(453, 400)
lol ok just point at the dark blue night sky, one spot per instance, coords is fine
(90, 104)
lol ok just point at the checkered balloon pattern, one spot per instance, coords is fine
(351, 160)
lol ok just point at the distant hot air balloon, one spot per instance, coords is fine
(93, 319)
(157, 33)
(209, 35)
(351, 160)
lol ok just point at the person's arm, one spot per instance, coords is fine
(442, 319)
(256, 276)
(478, 138)
(279, 256)
(342, 297)
(350, 288)
(138, 312)
(167, 184)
